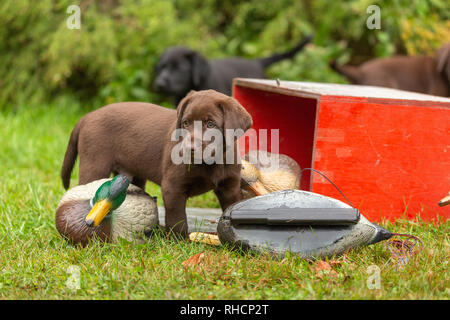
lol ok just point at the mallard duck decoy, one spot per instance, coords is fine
(108, 210)
(261, 177)
(445, 201)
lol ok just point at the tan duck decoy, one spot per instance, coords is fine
(260, 175)
(107, 210)
(445, 201)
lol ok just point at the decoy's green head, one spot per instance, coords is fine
(108, 198)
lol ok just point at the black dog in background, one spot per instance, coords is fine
(180, 70)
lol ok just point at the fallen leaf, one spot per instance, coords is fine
(335, 263)
(194, 260)
(322, 265)
(322, 268)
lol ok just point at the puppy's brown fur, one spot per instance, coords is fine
(430, 75)
(134, 139)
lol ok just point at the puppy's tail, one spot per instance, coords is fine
(353, 74)
(71, 156)
(266, 62)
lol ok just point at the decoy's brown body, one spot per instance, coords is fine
(71, 224)
(133, 220)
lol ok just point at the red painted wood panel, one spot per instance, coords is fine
(390, 157)
(389, 160)
(293, 116)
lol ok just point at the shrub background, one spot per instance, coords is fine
(111, 58)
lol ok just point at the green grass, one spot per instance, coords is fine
(34, 259)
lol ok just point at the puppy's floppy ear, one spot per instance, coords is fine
(182, 106)
(200, 68)
(235, 116)
(443, 61)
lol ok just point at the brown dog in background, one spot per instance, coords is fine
(134, 139)
(430, 75)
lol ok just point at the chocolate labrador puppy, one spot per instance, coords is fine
(422, 74)
(180, 70)
(138, 140)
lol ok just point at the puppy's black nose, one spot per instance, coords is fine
(160, 84)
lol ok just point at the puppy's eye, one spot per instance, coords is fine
(210, 124)
(185, 123)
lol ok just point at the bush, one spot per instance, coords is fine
(111, 58)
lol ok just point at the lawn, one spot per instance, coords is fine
(36, 263)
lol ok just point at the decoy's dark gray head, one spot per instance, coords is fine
(382, 234)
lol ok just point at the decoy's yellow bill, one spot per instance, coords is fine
(98, 213)
(258, 188)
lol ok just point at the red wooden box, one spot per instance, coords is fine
(387, 150)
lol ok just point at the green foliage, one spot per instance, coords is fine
(111, 58)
